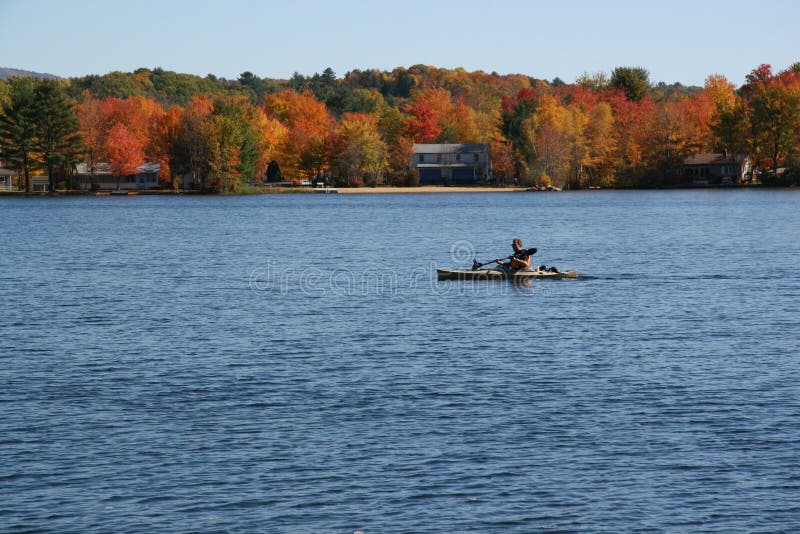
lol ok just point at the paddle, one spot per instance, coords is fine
(529, 252)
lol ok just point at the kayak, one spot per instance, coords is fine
(498, 274)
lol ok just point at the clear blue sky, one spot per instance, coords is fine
(676, 40)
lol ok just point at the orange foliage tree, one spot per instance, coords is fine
(92, 129)
(164, 137)
(301, 149)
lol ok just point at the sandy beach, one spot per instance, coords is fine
(427, 189)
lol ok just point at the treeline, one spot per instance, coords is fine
(616, 130)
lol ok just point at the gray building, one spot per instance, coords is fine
(103, 179)
(717, 169)
(40, 182)
(452, 163)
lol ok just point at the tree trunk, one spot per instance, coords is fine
(50, 177)
(27, 172)
(775, 160)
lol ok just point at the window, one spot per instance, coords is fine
(475, 157)
(422, 158)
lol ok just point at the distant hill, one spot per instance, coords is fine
(6, 73)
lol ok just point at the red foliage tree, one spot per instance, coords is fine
(422, 124)
(123, 152)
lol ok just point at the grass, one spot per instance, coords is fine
(260, 190)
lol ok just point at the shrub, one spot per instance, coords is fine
(412, 179)
(789, 178)
(543, 180)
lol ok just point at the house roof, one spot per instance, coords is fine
(714, 159)
(6, 172)
(105, 168)
(449, 148)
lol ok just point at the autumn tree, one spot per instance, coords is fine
(773, 103)
(165, 135)
(697, 112)
(461, 123)
(92, 130)
(301, 150)
(243, 117)
(502, 160)
(720, 91)
(358, 152)
(600, 140)
(123, 152)
(223, 140)
(422, 124)
(664, 145)
(631, 129)
(550, 139)
(391, 125)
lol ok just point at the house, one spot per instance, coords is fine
(6, 179)
(451, 163)
(102, 177)
(190, 181)
(717, 169)
(40, 183)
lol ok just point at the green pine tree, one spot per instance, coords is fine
(57, 141)
(18, 128)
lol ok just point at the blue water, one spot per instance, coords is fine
(288, 363)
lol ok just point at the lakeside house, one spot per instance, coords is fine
(717, 168)
(451, 163)
(6, 179)
(40, 182)
(191, 182)
(104, 179)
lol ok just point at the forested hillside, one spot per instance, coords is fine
(610, 130)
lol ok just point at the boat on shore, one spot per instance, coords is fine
(500, 274)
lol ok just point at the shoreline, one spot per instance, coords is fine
(424, 189)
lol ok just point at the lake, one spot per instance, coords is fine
(289, 363)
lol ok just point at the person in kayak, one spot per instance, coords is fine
(520, 259)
